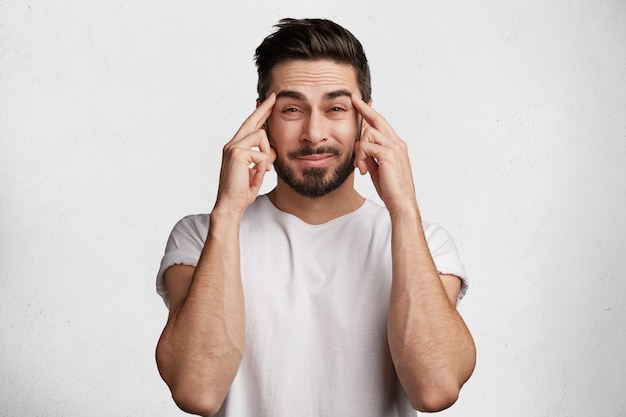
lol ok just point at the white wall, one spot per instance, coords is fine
(112, 119)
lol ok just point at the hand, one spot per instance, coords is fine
(246, 159)
(385, 156)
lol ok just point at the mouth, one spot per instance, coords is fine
(315, 158)
(315, 161)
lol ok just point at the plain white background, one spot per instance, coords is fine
(112, 119)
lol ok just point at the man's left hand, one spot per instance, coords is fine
(384, 155)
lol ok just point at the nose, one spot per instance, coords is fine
(315, 129)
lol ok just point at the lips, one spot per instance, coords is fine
(314, 158)
(317, 160)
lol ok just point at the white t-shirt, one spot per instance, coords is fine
(316, 301)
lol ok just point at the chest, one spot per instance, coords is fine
(306, 280)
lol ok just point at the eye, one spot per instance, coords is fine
(337, 109)
(290, 110)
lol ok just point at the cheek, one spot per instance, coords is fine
(283, 132)
(346, 130)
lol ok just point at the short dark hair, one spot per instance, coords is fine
(308, 39)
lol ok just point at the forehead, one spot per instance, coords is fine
(310, 75)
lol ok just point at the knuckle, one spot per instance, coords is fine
(237, 151)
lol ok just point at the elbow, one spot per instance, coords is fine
(194, 402)
(190, 394)
(433, 399)
(193, 396)
(442, 393)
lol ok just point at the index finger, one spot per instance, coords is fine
(371, 116)
(257, 119)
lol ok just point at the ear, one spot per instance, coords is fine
(258, 102)
(370, 102)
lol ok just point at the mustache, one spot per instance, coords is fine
(307, 150)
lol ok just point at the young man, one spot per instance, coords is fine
(311, 300)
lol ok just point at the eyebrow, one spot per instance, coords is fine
(338, 93)
(300, 97)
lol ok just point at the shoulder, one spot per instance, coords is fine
(375, 211)
(190, 229)
(445, 254)
(193, 222)
(436, 235)
(193, 228)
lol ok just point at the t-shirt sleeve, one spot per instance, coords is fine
(183, 247)
(445, 254)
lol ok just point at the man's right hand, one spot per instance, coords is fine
(245, 160)
(202, 344)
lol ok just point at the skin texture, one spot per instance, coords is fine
(313, 105)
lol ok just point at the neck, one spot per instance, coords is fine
(317, 210)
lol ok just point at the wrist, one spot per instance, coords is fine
(225, 218)
(228, 210)
(410, 213)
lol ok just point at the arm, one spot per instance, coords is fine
(202, 344)
(431, 347)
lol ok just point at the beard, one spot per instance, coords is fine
(315, 182)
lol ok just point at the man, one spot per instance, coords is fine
(311, 300)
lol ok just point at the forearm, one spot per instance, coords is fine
(431, 347)
(202, 344)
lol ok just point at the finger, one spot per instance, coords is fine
(270, 152)
(256, 174)
(371, 116)
(366, 163)
(370, 134)
(265, 147)
(256, 141)
(359, 158)
(257, 119)
(260, 165)
(366, 156)
(373, 151)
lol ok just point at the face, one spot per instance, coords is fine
(313, 126)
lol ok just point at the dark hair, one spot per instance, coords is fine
(308, 39)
